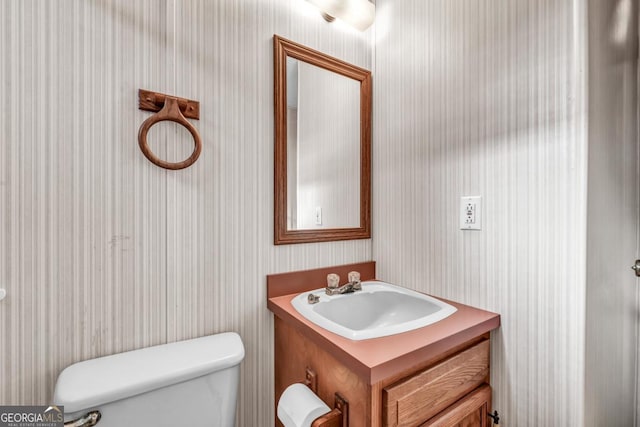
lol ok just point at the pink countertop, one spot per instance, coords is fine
(380, 358)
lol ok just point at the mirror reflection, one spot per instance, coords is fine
(323, 148)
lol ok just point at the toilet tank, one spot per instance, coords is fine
(186, 383)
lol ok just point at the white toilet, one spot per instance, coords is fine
(187, 383)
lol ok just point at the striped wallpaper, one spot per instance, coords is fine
(509, 101)
(101, 251)
(488, 98)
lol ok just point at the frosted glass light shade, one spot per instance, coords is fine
(357, 13)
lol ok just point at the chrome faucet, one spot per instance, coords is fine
(334, 288)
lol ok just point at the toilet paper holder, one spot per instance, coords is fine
(338, 417)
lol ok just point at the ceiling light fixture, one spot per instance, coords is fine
(357, 13)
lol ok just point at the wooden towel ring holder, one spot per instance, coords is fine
(173, 109)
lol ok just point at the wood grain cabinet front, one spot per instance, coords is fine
(422, 395)
(471, 411)
(447, 390)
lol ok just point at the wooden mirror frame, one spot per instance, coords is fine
(285, 48)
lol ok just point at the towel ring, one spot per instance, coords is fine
(169, 112)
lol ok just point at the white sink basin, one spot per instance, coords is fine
(379, 309)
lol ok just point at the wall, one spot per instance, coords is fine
(489, 98)
(101, 251)
(613, 209)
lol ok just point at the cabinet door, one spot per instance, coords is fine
(470, 411)
(422, 396)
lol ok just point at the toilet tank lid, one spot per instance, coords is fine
(106, 379)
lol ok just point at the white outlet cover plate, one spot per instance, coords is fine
(476, 201)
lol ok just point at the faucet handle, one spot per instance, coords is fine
(354, 277)
(333, 280)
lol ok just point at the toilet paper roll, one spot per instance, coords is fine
(299, 406)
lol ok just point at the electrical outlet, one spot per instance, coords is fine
(471, 213)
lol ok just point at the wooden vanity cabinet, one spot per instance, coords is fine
(449, 390)
(432, 376)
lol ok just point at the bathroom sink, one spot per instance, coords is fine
(379, 309)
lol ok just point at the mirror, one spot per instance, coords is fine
(322, 146)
